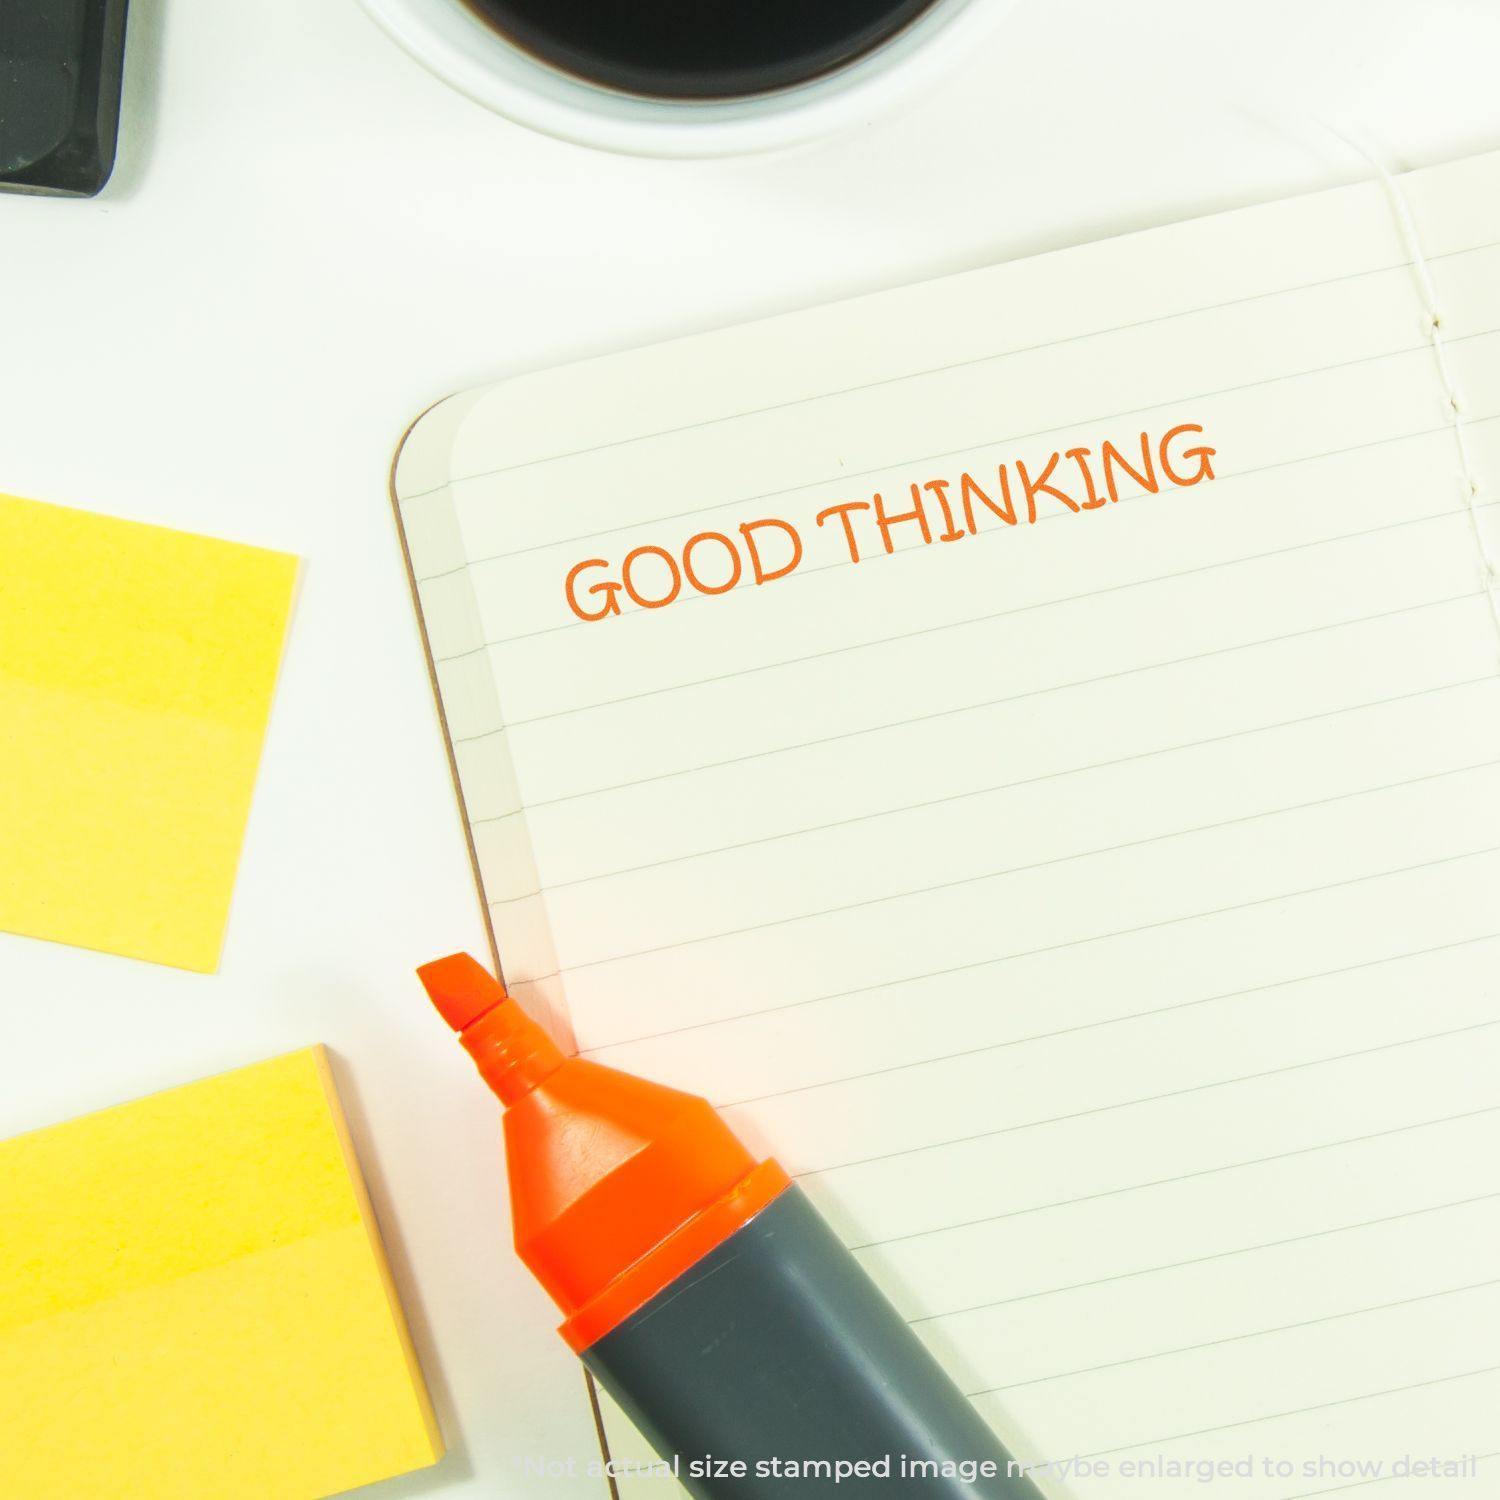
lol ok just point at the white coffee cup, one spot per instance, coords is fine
(448, 38)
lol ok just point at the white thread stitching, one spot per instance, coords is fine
(1489, 570)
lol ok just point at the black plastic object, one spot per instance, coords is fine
(778, 1347)
(698, 49)
(60, 68)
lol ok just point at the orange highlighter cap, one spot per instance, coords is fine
(617, 1185)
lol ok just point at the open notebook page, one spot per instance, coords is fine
(1096, 913)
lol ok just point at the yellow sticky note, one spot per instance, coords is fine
(136, 671)
(194, 1302)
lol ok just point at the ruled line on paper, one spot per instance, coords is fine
(985, 791)
(1030, 867)
(979, 445)
(1309, 286)
(999, 614)
(1239, 1338)
(1200, 1260)
(1359, 1484)
(918, 549)
(1002, 958)
(1156, 1182)
(1297, 1411)
(967, 708)
(1105, 1109)
(1044, 1036)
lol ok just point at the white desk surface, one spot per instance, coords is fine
(307, 239)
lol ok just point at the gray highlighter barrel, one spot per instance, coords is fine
(777, 1348)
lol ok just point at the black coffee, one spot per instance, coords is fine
(698, 49)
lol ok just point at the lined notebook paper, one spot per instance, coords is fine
(1087, 887)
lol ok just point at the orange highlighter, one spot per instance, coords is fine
(704, 1291)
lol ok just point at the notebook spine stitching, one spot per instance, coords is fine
(1455, 406)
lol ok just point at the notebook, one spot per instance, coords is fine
(1027, 745)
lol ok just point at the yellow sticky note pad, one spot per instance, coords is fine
(194, 1302)
(136, 671)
